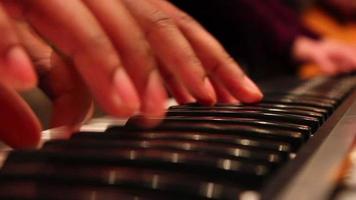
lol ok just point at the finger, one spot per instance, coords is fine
(58, 79)
(19, 125)
(343, 64)
(72, 103)
(342, 57)
(325, 64)
(78, 35)
(15, 66)
(215, 59)
(173, 50)
(135, 51)
(224, 96)
(177, 89)
(350, 58)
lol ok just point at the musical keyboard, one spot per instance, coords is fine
(289, 146)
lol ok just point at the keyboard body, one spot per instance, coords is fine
(290, 146)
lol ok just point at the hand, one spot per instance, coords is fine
(332, 57)
(121, 51)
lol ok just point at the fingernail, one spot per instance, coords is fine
(253, 89)
(19, 68)
(155, 96)
(129, 101)
(210, 91)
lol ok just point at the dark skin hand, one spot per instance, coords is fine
(122, 53)
(331, 56)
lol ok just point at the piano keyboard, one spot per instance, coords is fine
(285, 147)
(346, 187)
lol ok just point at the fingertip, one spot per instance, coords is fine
(209, 97)
(258, 98)
(153, 105)
(185, 99)
(144, 122)
(229, 100)
(253, 98)
(251, 93)
(120, 109)
(125, 97)
(18, 69)
(155, 97)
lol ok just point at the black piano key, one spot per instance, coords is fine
(293, 137)
(295, 97)
(312, 122)
(322, 111)
(221, 170)
(306, 94)
(318, 115)
(328, 107)
(116, 134)
(306, 130)
(216, 150)
(71, 191)
(262, 105)
(122, 178)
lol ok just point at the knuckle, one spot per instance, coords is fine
(191, 57)
(160, 20)
(193, 60)
(95, 43)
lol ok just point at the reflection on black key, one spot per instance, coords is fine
(295, 97)
(328, 107)
(312, 122)
(43, 190)
(115, 133)
(206, 166)
(202, 148)
(306, 130)
(262, 105)
(293, 137)
(322, 111)
(121, 178)
(318, 115)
